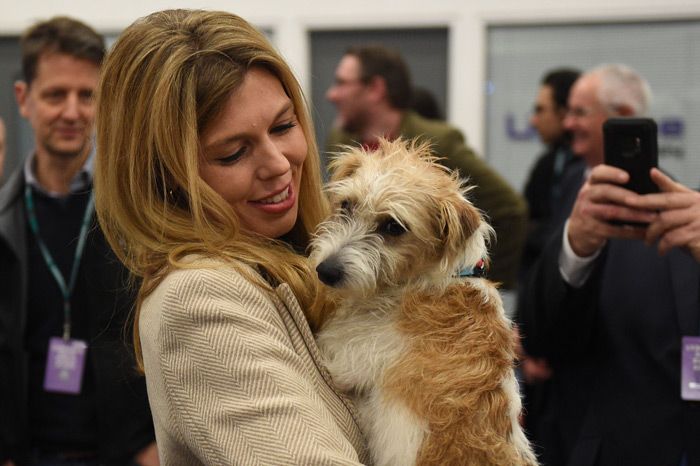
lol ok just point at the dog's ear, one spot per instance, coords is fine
(345, 164)
(459, 220)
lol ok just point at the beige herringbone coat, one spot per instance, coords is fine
(234, 377)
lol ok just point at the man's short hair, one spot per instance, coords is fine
(59, 35)
(561, 80)
(387, 63)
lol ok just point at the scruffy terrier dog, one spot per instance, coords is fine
(426, 354)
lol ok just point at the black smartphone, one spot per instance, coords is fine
(631, 144)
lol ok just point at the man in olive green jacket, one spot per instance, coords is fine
(372, 94)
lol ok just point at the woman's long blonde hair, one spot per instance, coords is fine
(166, 79)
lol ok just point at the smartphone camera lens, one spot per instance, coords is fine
(631, 147)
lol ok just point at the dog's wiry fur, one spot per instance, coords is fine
(427, 356)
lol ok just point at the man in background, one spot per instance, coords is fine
(372, 94)
(608, 305)
(543, 186)
(543, 193)
(68, 391)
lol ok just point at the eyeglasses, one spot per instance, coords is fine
(582, 112)
(340, 82)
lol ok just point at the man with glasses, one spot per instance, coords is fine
(543, 187)
(543, 192)
(613, 308)
(372, 94)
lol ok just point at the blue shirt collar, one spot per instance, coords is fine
(81, 181)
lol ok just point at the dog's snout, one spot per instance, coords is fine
(330, 272)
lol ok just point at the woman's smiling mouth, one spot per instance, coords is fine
(276, 198)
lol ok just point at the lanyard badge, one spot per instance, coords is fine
(690, 368)
(65, 361)
(65, 365)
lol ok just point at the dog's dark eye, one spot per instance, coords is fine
(392, 228)
(345, 206)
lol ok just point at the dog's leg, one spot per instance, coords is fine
(395, 433)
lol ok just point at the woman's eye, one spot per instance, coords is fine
(392, 228)
(281, 129)
(233, 158)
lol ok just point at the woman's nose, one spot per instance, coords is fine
(273, 160)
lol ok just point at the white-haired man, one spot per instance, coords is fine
(608, 305)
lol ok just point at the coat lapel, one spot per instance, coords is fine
(571, 182)
(286, 301)
(289, 301)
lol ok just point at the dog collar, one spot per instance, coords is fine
(479, 270)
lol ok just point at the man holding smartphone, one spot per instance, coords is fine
(612, 306)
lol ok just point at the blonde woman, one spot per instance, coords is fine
(207, 181)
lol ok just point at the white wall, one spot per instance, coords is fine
(290, 20)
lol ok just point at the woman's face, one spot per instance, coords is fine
(253, 154)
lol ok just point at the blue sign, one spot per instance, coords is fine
(669, 127)
(515, 134)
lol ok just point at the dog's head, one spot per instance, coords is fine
(400, 218)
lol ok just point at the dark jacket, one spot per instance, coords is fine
(543, 192)
(505, 208)
(123, 417)
(614, 345)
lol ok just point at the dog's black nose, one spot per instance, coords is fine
(330, 272)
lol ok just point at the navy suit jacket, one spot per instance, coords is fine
(614, 345)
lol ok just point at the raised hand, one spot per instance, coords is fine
(677, 223)
(600, 201)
